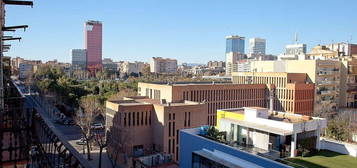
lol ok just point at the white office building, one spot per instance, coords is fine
(257, 47)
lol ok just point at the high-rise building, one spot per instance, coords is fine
(79, 59)
(235, 44)
(163, 65)
(93, 45)
(257, 47)
(234, 53)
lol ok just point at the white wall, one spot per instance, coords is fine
(339, 147)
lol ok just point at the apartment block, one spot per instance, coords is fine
(215, 95)
(348, 84)
(292, 93)
(139, 126)
(325, 74)
(163, 65)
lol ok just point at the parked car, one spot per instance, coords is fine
(97, 126)
(81, 142)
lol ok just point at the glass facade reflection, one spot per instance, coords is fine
(235, 44)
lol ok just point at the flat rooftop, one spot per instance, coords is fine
(189, 83)
(276, 116)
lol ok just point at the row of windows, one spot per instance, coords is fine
(135, 118)
(280, 82)
(226, 94)
(153, 93)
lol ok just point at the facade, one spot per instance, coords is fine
(25, 70)
(215, 95)
(292, 93)
(232, 60)
(275, 134)
(163, 65)
(79, 59)
(109, 65)
(348, 84)
(325, 74)
(197, 151)
(139, 126)
(216, 64)
(343, 49)
(235, 44)
(93, 45)
(257, 46)
(243, 66)
(131, 67)
(294, 52)
(234, 52)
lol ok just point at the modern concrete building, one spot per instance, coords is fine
(294, 52)
(215, 95)
(79, 59)
(243, 66)
(163, 65)
(234, 52)
(325, 74)
(232, 60)
(257, 46)
(131, 67)
(140, 126)
(93, 45)
(198, 151)
(292, 93)
(275, 134)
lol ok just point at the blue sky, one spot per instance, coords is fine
(190, 30)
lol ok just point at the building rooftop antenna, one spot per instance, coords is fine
(296, 38)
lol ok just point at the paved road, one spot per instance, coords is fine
(71, 133)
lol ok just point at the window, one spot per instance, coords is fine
(124, 119)
(173, 129)
(142, 118)
(133, 118)
(129, 119)
(169, 145)
(137, 118)
(169, 129)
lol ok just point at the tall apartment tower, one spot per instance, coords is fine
(93, 45)
(234, 52)
(257, 46)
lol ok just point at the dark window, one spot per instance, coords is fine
(142, 118)
(137, 118)
(173, 129)
(169, 129)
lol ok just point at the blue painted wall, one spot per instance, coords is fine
(190, 142)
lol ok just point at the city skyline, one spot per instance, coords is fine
(193, 30)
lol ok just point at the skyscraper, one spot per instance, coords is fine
(256, 47)
(93, 44)
(235, 44)
(234, 52)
